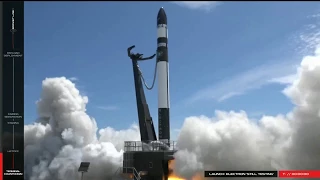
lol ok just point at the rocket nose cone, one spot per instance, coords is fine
(162, 17)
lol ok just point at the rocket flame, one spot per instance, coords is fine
(173, 176)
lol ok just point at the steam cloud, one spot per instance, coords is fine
(231, 141)
(64, 135)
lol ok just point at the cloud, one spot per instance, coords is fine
(229, 95)
(108, 108)
(282, 72)
(285, 79)
(316, 15)
(74, 79)
(64, 135)
(204, 5)
(232, 141)
(308, 38)
(252, 79)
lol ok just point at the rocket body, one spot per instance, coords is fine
(163, 76)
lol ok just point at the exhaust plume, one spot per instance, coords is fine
(231, 141)
(64, 135)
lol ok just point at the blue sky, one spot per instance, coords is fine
(226, 56)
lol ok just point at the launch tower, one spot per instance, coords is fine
(149, 158)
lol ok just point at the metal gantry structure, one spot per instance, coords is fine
(146, 159)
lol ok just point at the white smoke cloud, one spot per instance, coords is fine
(231, 141)
(64, 135)
(204, 5)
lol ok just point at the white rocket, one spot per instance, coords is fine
(163, 76)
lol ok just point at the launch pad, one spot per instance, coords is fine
(149, 159)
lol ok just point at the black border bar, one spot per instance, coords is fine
(1, 61)
(1, 103)
(13, 90)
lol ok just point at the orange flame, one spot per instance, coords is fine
(173, 176)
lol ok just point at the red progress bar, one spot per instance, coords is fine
(1, 167)
(299, 174)
(12, 160)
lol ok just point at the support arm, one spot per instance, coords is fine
(147, 58)
(138, 56)
(147, 131)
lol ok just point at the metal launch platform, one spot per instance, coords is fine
(146, 160)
